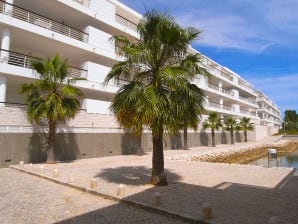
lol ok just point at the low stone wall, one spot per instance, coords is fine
(240, 155)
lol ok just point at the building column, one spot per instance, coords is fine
(5, 45)
(221, 103)
(8, 8)
(220, 86)
(3, 82)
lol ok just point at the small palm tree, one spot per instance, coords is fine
(159, 68)
(51, 99)
(245, 125)
(214, 123)
(231, 125)
(191, 107)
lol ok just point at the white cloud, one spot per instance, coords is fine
(247, 25)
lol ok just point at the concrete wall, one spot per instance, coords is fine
(259, 133)
(30, 147)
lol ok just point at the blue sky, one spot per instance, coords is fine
(256, 39)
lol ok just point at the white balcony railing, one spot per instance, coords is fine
(248, 100)
(218, 89)
(22, 60)
(44, 22)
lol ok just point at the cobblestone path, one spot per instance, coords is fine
(27, 199)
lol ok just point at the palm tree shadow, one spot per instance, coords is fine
(132, 175)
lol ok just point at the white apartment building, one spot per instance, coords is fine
(80, 30)
(268, 111)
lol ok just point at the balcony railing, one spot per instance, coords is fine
(221, 106)
(38, 20)
(22, 60)
(218, 89)
(248, 100)
(248, 112)
(130, 25)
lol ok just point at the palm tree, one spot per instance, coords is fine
(51, 99)
(214, 123)
(192, 107)
(245, 125)
(158, 68)
(231, 125)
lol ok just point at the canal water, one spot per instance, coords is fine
(288, 160)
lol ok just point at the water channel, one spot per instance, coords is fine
(287, 160)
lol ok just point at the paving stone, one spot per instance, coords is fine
(28, 199)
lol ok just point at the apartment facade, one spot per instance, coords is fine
(81, 31)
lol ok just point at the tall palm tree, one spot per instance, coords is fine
(52, 98)
(158, 68)
(214, 123)
(246, 125)
(231, 125)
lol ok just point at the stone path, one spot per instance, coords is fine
(238, 193)
(28, 199)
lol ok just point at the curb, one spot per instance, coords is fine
(144, 206)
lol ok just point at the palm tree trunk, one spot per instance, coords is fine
(245, 135)
(212, 137)
(185, 138)
(51, 141)
(232, 137)
(158, 176)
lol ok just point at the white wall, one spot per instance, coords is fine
(103, 8)
(96, 72)
(259, 133)
(96, 106)
(101, 40)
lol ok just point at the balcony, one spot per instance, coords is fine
(220, 106)
(126, 23)
(22, 60)
(248, 100)
(41, 21)
(221, 90)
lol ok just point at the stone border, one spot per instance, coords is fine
(144, 206)
(236, 155)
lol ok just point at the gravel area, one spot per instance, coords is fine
(237, 193)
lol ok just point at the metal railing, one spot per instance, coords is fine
(125, 22)
(44, 22)
(227, 76)
(248, 100)
(25, 61)
(14, 105)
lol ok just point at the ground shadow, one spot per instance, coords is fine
(133, 175)
(231, 203)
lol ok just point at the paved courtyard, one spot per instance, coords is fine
(26, 199)
(237, 193)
